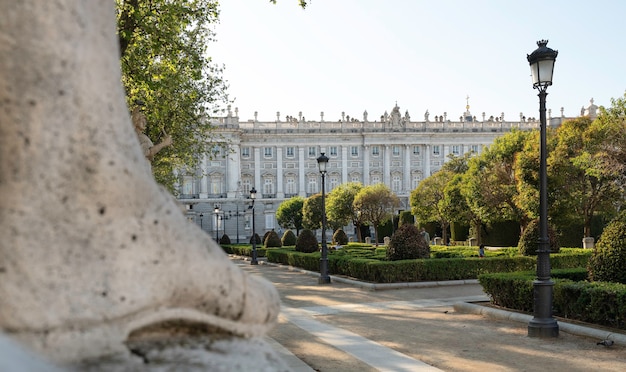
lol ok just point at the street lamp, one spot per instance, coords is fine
(322, 162)
(254, 259)
(543, 324)
(217, 221)
(201, 215)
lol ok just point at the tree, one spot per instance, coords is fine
(339, 205)
(429, 202)
(584, 185)
(289, 213)
(163, 47)
(312, 212)
(374, 204)
(491, 183)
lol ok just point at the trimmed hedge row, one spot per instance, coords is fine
(599, 303)
(377, 271)
(244, 250)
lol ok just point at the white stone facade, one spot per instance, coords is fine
(279, 159)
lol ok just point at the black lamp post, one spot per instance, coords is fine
(322, 162)
(201, 215)
(254, 258)
(543, 324)
(217, 223)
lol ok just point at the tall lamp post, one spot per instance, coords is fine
(201, 215)
(322, 162)
(543, 324)
(254, 260)
(217, 223)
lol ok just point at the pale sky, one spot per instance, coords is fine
(355, 55)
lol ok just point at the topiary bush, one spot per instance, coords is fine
(225, 239)
(608, 260)
(528, 242)
(272, 240)
(265, 236)
(406, 244)
(340, 237)
(306, 242)
(289, 238)
(255, 237)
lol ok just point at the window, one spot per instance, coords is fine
(396, 184)
(455, 149)
(312, 185)
(354, 150)
(436, 150)
(333, 150)
(416, 150)
(290, 152)
(267, 152)
(475, 149)
(268, 186)
(375, 179)
(334, 182)
(396, 151)
(269, 221)
(245, 186)
(291, 185)
(188, 188)
(415, 181)
(245, 152)
(375, 150)
(312, 151)
(355, 178)
(215, 184)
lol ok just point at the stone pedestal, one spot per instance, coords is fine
(94, 254)
(589, 242)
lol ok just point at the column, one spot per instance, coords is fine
(426, 161)
(366, 165)
(204, 178)
(446, 151)
(257, 172)
(279, 173)
(301, 179)
(387, 165)
(233, 166)
(407, 169)
(344, 164)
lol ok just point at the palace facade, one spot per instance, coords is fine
(279, 159)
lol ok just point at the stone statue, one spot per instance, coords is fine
(426, 114)
(149, 148)
(95, 256)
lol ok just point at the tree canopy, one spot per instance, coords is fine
(163, 45)
(374, 204)
(289, 213)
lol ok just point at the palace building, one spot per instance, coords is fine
(279, 159)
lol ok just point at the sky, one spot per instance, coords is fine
(355, 55)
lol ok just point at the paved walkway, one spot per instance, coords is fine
(353, 326)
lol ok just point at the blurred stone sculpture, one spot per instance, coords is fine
(94, 256)
(147, 146)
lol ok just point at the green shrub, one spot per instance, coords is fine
(306, 242)
(256, 238)
(608, 260)
(272, 240)
(289, 238)
(340, 237)
(265, 236)
(528, 242)
(225, 239)
(407, 243)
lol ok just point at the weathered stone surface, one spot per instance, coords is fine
(92, 249)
